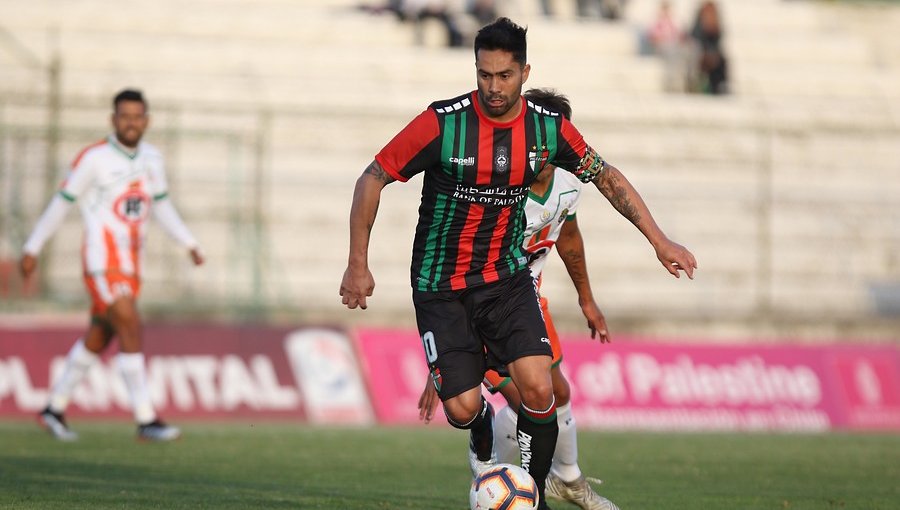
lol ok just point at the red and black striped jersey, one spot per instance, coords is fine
(477, 176)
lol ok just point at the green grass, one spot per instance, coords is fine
(272, 466)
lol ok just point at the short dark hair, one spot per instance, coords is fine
(551, 99)
(129, 95)
(505, 35)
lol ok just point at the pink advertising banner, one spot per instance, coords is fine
(638, 384)
(202, 371)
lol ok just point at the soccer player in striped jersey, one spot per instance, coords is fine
(116, 182)
(476, 303)
(551, 221)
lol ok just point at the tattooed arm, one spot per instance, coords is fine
(622, 195)
(358, 282)
(570, 247)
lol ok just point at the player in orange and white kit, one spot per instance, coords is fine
(116, 182)
(551, 221)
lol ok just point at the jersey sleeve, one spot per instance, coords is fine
(48, 223)
(171, 221)
(80, 177)
(571, 147)
(575, 155)
(414, 149)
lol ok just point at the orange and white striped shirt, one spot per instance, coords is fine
(115, 189)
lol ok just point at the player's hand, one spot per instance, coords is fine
(197, 257)
(428, 402)
(595, 321)
(27, 265)
(356, 286)
(675, 258)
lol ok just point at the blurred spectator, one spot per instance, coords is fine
(664, 39)
(612, 9)
(712, 68)
(417, 11)
(546, 10)
(663, 34)
(608, 9)
(484, 11)
(420, 10)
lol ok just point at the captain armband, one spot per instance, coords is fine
(590, 166)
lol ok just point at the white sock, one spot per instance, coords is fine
(78, 361)
(131, 364)
(505, 443)
(565, 458)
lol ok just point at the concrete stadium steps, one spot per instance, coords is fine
(212, 68)
(280, 53)
(308, 21)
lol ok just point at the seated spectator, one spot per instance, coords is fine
(711, 64)
(664, 39)
(663, 34)
(484, 11)
(418, 11)
(612, 9)
(607, 9)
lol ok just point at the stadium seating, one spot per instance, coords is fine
(269, 110)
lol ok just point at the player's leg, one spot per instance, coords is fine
(470, 411)
(509, 318)
(455, 358)
(537, 429)
(566, 480)
(81, 357)
(506, 445)
(565, 457)
(125, 319)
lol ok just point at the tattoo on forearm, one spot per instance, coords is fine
(617, 195)
(375, 170)
(575, 264)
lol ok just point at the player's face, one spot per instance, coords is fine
(130, 121)
(500, 80)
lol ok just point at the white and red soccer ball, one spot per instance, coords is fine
(504, 487)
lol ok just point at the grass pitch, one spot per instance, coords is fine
(273, 466)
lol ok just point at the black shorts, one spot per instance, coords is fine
(466, 332)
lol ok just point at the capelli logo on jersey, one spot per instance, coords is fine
(469, 161)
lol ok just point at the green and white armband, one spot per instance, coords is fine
(590, 166)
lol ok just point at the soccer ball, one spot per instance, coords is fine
(503, 487)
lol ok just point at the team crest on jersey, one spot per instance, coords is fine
(133, 206)
(436, 378)
(501, 158)
(538, 158)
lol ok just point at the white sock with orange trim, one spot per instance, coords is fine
(78, 361)
(131, 364)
